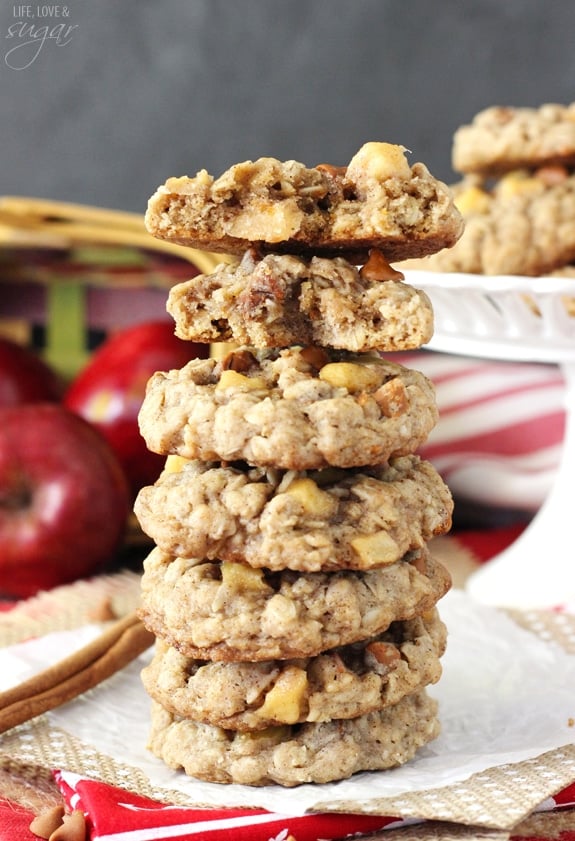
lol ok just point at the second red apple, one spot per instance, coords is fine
(25, 377)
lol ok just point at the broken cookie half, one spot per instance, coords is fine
(379, 201)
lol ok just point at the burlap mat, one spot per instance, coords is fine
(499, 799)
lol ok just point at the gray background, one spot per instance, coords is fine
(147, 89)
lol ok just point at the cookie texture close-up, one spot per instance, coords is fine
(284, 300)
(523, 224)
(503, 138)
(377, 201)
(294, 409)
(229, 611)
(331, 519)
(341, 683)
(301, 753)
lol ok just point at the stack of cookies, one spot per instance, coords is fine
(291, 588)
(516, 193)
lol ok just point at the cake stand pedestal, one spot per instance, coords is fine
(518, 319)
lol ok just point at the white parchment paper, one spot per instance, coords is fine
(505, 696)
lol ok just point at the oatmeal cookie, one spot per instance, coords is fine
(500, 139)
(342, 683)
(301, 753)
(294, 409)
(284, 300)
(524, 224)
(377, 201)
(229, 611)
(361, 518)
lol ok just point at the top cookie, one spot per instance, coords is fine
(378, 201)
(500, 139)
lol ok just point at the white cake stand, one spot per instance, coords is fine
(518, 319)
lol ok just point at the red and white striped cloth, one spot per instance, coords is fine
(501, 426)
(116, 815)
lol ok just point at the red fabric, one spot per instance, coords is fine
(567, 835)
(111, 811)
(486, 544)
(565, 798)
(15, 822)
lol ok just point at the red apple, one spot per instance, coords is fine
(64, 499)
(25, 377)
(109, 391)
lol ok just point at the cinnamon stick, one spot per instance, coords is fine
(75, 674)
